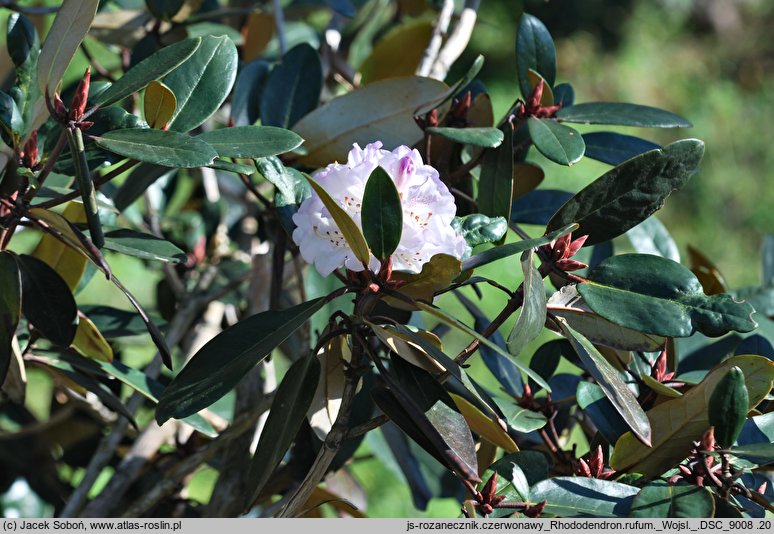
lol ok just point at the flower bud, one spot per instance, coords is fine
(78, 105)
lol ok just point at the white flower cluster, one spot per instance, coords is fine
(428, 210)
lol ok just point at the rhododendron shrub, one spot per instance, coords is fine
(220, 254)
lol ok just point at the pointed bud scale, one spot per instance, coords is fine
(30, 152)
(583, 468)
(660, 368)
(462, 107)
(560, 247)
(575, 246)
(684, 469)
(708, 439)
(534, 98)
(570, 265)
(597, 462)
(78, 105)
(536, 510)
(490, 488)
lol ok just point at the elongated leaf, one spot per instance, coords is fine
(443, 317)
(348, 227)
(568, 304)
(624, 401)
(383, 62)
(677, 423)
(90, 342)
(504, 251)
(223, 361)
(145, 246)
(532, 316)
(251, 141)
(70, 27)
(67, 255)
(246, 100)
(436, 275)
(202, 82)
(115, 323)
(10, 309)
(159, 104)
(658, 296)
(534, 50)
(486, 137)
(149, 69)
(478, 229)
(559, 143)
(537, 207)
(728, 407)
(652, 237)
(47, 302)
(757, 453)
(628, 194)
(138, 381)
(11, 118)
(138, 181)
(661, 499)
(598, 408)
(495, 187)
(291, 402)
(24, 50)
(324, 407)
(614, 148)
(382, 110)
(293, 88)
(170, 149)
(583, 497)
(621, 114)
(382, 214)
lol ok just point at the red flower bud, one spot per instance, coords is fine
(78, 105)
(583, 469)
(575, 246)
(462, 107)
(535, 96)
(570, 265)
(708, 439)
(29, 154)
(536, 510)
(597, 462)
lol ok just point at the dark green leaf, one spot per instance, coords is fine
(10, 308)
(495, 187)
(598, 408)
(202, 82)
(662, 499)
(137, 380)
(621, 114)
(546, 359)
(564, 94)
(418, 404)
(583, 497)
(758, 453)
(22, 41)
(293, 88)
(382, 214)
(623, 400)
(141, 178)
(758, 429)
(288, 410)
(498, 253)
(534, 50)
(478, 229)
(228, 166)
(114, 322)
(145, 246)
(10, 116)
(151, 68)
(221, 363)
(728, 406)
(537, 207)
(251, 141)
(167, 148)
(559, 143)
(658, 296)
(47, 302)
(484, 137)
(652, 237)
(630, 193)
(614, 148)
(245, 104)
(407, 461)
(532, 316)
(93, 386)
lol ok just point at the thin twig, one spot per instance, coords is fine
(457, 41)
(50, 162)
(436, 40)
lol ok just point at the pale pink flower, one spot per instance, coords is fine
(428, 210)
